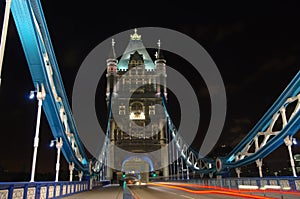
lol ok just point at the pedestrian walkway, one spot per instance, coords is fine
(111, 191)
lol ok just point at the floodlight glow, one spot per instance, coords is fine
(31, 95)
(295, 141)
(52, 143)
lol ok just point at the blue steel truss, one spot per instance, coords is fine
(264, 138)
(31, 25)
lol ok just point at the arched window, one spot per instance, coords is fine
(137, 111)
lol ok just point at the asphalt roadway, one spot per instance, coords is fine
(173, 191)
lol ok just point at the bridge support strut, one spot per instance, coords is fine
(182, 173)
(238, 172)
(71, 168)
(4, 33)
(40, 94)
(289, 142)
(187, 172)
(80, 174)
(259, 165)
(59, 144)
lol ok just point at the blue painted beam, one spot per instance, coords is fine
(291, 90)
(37, 8)
(292, 128)
(24, 13)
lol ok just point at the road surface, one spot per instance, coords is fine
(153, 192)
(176, 191)
(194, 191)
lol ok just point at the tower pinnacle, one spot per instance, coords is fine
(158, 44)
(112, 55)
(113, 49)
(135, 36)
(111, 70)
(158, 55)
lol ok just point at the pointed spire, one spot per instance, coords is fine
(112, 55)
(158, 44)
(159, 55)
(113, 42)
(112, 52)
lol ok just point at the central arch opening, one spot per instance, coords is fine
(137, 169)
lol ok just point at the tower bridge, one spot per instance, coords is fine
(135, 93)
(139, 133)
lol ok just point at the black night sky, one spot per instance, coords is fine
(255, 46)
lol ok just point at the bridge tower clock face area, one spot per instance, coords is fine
(135, 82)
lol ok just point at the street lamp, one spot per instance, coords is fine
(32, 94)
(295, 141)
(59, 144)
(40, 95)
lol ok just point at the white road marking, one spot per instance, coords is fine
(187, 196)
(159, 189)
(163, 190)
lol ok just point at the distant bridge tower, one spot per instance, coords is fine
(136, 82)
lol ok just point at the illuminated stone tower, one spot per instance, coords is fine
(136, 83)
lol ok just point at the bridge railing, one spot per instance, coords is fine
(31, 190)
(280, 183)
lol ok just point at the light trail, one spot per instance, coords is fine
(227, 189)
(214, 191)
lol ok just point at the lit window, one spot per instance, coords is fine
(137, 115)
(152, 110)
(137, 111)
(122, 110)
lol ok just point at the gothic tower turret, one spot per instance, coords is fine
(160, 65)
(111, 73)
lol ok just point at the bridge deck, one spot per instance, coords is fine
(151, 192)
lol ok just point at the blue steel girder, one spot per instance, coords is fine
(31, 25)
(243, 153)
(290, 129)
